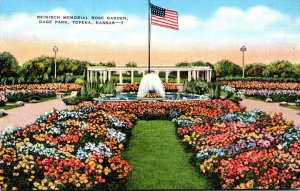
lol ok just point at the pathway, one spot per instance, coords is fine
(159, 159)
(21, 116)
(271, 108)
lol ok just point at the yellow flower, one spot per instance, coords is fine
(14, 188)
(16, 174)
(106, 171)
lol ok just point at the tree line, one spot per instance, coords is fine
(41, 69)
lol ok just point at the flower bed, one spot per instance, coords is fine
(81, 148)
(277, 91)
(244, 150)
(27, 92)
(275, 95)
(262, 85)
(72, 149)
(152, 95)
(134, 87)
(60, 87)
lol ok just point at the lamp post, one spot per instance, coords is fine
(55, 50)
(243, 49)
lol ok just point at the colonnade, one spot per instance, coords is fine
(105, 74)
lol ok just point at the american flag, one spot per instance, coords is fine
(164, 17)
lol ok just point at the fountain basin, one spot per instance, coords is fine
(168, 96)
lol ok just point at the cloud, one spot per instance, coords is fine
(24, 26)
(187, 22)
(228, 26)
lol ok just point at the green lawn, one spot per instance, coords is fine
(292, 106)
(159, 159)
(7, 106)
(11, 105)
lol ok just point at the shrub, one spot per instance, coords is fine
(227, 68)
(195, 86)
(77, 99)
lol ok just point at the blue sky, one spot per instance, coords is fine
(202, 8)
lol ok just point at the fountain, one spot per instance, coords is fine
(151, 83)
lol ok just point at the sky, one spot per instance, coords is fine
(209, 30)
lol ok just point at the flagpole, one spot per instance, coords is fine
(149, 35)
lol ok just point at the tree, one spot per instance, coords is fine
(199, 63)
(183, 64)
(279, 68)
(8, 65)
(256, 69)
(297, 70)
(41, 69)
(131, 65)
(108, 64)
(227, 68)
(34, 70)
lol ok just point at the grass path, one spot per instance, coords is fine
(159, 159)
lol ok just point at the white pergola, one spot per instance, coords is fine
(104, 73)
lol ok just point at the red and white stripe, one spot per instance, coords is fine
(170, 20)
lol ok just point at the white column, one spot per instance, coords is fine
(109, 75)
(101, 76)
(143, 73)
(91, 76)
(132, 76)
(202, 75)
(178, 77)
(210, 74)
(96, 76)
(207, 75)
(104, 76)
(194, 74)
(120, 77)
(198, 74)
(167, 76)
(88, 76)
(189, 75)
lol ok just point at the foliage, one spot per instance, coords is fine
(275, 95)
(214, 89)
(255, 70)
(227, 68)
(41, 69)
(79, 81)
(28, 95)
(77, 99)
(107, 64)
(195, 86)
(108, 87)
(8, 67)
(90, 89)
(131, 65)
(280, 68)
